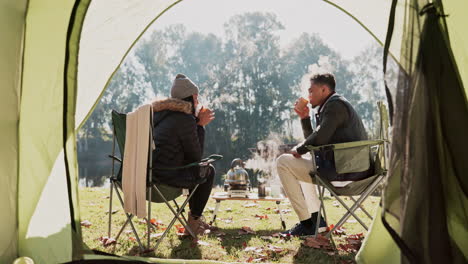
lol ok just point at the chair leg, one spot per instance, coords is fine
(110, 207)
(359, 202)
(215, 212)
(351, 210)
(362, 207)
(283, 224)
(185, 222)
(129, 220)
(176, 215)
(346, 215)
(148, 221)
(320, 209)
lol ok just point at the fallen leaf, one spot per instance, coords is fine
(210, 209)
(86, 223)
(207, 231)
(340, 231)
(275, 249)
(319, 242)
(203, 243)
(351, 221)
(105, 197)
(228, 210)
(261, 217)
(132, 238)
(250, 205)
(336, 204)
(106, 241)
(247, 249)
(267, 238)
(283, 211)
(180, 228)
(246, 230)
(113, 212)
(246, 219)
(282, 236)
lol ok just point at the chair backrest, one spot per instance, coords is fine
(382, 152)
(119, 123)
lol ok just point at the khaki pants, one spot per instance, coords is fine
(297, 183)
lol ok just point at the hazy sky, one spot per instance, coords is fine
(338, 30)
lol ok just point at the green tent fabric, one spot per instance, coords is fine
(58, 56)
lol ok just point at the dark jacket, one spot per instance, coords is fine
(337, 122)
(178, 141)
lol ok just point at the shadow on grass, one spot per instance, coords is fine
(306, 254)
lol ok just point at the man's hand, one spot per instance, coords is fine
(205, 116)
(303, 112)
(295, 154)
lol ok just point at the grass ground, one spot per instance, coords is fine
(231, 247)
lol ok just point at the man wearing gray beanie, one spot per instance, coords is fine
(179, 136)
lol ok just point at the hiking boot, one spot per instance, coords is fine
(206, 225)
(196, 224)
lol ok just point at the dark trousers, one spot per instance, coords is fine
(199, 199)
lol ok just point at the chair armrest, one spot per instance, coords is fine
(349, 144)
(114, 158)
(210, 159)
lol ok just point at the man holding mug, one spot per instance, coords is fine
(337, 122)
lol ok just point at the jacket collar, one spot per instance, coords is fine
(326, 101)
(172, 104)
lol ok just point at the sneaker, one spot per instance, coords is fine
(322, 226)
(299, 230)
(302, 230)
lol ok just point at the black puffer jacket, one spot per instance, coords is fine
(178, 141)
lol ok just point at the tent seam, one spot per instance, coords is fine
(121, 61)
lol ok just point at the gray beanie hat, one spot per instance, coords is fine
(183, 87)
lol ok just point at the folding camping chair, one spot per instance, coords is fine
(354, 157)
(164, 193)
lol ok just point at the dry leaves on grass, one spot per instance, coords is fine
(284, 211)
(319, 242)
(107, 241)
(282, 236)
(86, 223)
(261, 217)
(339, 231)
(180, 229)
(353, 244)
(249, 205)
(245, 230)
